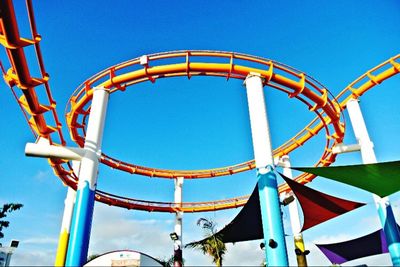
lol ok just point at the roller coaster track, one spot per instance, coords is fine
(44, 122)
(115, 79)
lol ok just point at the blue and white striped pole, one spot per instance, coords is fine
(274, 236)
(84, 203)
(384, 208)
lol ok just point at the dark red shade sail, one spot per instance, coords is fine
(319, 207)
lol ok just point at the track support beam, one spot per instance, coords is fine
(43, 149)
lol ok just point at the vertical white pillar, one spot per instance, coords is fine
(274, 237)
(178, 222)
(295, 219)
(259, 122)
(362, 137)
(293, 209)
(384, 208)
(360, 132)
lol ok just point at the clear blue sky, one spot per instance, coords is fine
(201, 123)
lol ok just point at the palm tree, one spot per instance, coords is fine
(7, 208)
(167, 262)
(92, 257)
(212, 244)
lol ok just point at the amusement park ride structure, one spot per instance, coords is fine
(46, 126)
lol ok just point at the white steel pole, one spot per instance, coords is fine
(384, 208)
(274, 237)
(178, 257)
(259, 122)
(295, 219)
(360, 132)
(293, 209)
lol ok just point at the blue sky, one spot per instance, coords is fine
(201, 123)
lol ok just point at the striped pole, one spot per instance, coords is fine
(65, 228)
(66, 221)
(384, 208)
(274, 237)
(83, 212)
(295, 220)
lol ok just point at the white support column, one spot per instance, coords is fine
(295, 219)
(360, 132)
(258, 121)
(362, 137)
(274, 237)
(384, 208)
(293, 209)
(69, 203)
(178, 223)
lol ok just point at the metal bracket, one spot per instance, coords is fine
(342, 148)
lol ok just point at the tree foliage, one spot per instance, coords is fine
(212, 244)
(7, 208)
(92, 256)
(167, 262)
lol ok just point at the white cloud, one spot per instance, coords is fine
(377, 260)
(244, 254)
(196, 258)
(315, 258)
(327, 239)
(33, 257)
(40, 240)
(35, 251)
(114, 229)
(42, 175)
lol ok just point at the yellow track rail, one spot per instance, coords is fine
(294, 83)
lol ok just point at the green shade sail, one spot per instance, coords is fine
(381, 179)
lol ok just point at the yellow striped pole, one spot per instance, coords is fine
(300, 250)
(62, 248)
(66, 222)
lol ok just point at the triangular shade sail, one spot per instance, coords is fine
(381, 179)
(318, 207)
(372, 244)
(247, 225)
